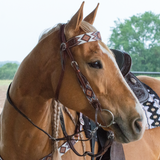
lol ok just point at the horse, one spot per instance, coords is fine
(148, 147)
(49, 72)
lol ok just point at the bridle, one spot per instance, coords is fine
(87, 89)
(84, 84)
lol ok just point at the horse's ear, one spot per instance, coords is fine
(91, 17)
(74, 23)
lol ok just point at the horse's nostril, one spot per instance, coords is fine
(137, 125)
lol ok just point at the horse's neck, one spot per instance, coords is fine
(39, 70)
(20, 137)
(32, 87)
(31, 91)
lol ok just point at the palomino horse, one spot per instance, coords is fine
(148, 148)
(50, 72)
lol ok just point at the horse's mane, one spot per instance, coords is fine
(48, 31)
(85, 26)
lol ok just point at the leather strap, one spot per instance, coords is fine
(93, 125)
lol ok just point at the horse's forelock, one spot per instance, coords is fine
(87, 27)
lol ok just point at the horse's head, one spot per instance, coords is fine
(97, 63)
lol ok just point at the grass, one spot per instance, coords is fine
(5, 82)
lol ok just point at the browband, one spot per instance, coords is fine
(81, 39)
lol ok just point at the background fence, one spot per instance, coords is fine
(153, 74)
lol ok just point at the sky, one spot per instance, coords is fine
(22, 21)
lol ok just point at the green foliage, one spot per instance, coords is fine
(140, 37)
(8, 70)
(4, 62)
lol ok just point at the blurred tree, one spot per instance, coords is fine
(8, 70)
(140, 37)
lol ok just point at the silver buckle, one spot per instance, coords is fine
(74, 62)
(63, 46)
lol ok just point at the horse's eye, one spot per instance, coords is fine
(96, 64)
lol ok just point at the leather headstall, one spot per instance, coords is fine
(65, 50)
(84, 84)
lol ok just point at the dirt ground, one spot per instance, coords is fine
(3, 90)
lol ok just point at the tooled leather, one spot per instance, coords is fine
(138, 88)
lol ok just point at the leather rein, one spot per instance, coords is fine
(88, 91)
